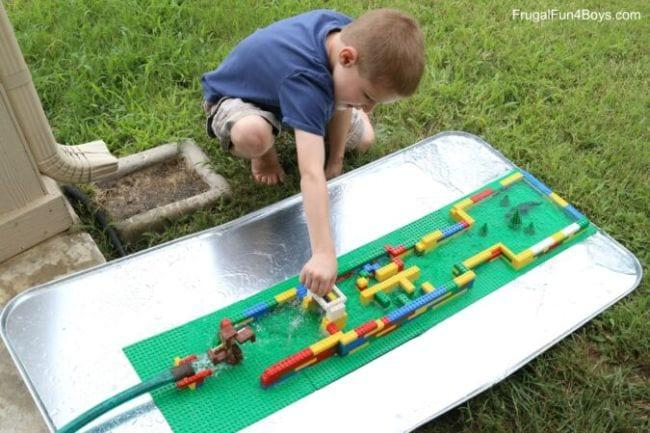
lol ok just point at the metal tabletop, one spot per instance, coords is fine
(66, 337)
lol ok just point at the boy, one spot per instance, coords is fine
(319, 73)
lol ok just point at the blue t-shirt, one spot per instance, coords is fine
(283, 68)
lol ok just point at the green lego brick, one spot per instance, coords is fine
(234, 399)
(382, 299)
(402, 299)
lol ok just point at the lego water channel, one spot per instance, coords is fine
(231, 368)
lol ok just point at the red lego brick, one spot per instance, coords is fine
(332, 328)
(198, 378)
(187, 359)
(399, 262)
(481, 195)
(395, 251)
(366, 328)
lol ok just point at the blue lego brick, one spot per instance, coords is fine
(536, 183)
(301, 291)
(370, 268)
(452, 230)
(257, 310)
(345, 349)
(574, 212)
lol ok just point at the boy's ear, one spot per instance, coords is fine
(348, 56)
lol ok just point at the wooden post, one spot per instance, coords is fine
(32, 207)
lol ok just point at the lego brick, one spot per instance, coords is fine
(542, 245)
(382, 299)
(362, 346)
(386, 330)
(301, 291)
(570, 230)
(479, 258)
(511, 179)
(427, 287)
(286, 296)
(482, 195)
(306, 364)
(463, 204)
(536, 183)
(574, 212)
(557, 199)
(362, 283)
(523, 258)
(464, 279)
(412, 273)
(558, 237)
(402, 299)
(386, 272)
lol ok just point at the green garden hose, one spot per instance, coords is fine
(111, 403)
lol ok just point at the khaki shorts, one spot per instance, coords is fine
(224, 114)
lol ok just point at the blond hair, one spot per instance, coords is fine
(390, 45)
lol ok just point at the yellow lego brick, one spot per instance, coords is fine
(412, 273)
(557, 199)
(177, 361)
(349, 337)
(406, 285)
(362, 283)
(506, 251)
(417, 312)
(306, 302)
(558, 236)
(461, 215)
(386, 330)
(446, 298)
(464, 279)
(386, 271)
(432, 237)
(192, 386)
(307, 364)
(523, 258)
(427, 287)
(511, 179)
(463, 204)
(326, 343)
(479, 258)
(429, 241)
(286, 296)
(330, 296)
(360, 347)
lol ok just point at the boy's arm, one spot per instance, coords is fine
(319, 273)
(337, 130)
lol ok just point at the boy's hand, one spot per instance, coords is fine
(319, 273)
(333, 168)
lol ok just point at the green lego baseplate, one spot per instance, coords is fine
(233, 397)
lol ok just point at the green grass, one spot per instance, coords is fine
(567, 100)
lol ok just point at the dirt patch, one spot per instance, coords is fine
(149, 188)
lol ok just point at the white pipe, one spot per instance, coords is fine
(82, 163)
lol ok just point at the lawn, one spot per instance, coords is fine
(567, 100)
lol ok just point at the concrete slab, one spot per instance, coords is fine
(66, 253)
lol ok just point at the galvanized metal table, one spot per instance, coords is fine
(66, 337)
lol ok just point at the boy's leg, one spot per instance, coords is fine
(362, 134)
(252, 138)
(248, 132)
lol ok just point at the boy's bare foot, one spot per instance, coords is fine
(267, 169)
